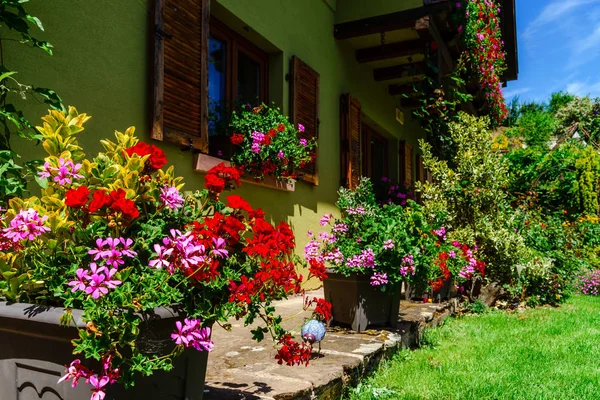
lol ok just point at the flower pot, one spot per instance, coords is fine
(356, 303)
(35, 350)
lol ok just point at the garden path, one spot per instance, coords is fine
(240, 368)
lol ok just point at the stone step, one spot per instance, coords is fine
(239, 368)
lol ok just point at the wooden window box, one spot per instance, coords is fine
(204, 162)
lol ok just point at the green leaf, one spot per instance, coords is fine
(36, 21)
(6, 75)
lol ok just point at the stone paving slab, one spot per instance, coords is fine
(240, 368)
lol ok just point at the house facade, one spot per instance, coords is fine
(175, 68)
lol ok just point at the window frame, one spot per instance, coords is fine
(369, 134)
(236, 43)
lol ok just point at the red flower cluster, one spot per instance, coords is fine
(442, 263)
(269, 241)
(322, 308)
(77, 198)
(317, 269)
(237, 138)
(157, 157)
(220, 177)
(115, 201)
(291, 352)
(228, 227)
(272, 245)
(125, 206)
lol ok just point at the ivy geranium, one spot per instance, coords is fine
(480, 23)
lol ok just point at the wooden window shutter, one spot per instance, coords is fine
(350, 123)
(406, 162)
(181, 73)
(304, 106)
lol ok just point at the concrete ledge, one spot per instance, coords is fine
(239, 368)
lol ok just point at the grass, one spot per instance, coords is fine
(544, 353)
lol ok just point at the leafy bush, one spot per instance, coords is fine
(472, 195)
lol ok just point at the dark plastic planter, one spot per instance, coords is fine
(358, 304)
(35, 350)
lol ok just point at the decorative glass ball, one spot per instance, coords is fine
(313, 331)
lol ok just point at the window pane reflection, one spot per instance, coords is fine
(217, 53)
(248, 89)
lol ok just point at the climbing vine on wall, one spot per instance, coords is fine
(15, 27)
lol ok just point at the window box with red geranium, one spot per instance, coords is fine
(267, 144)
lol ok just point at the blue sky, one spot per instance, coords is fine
(559, 49)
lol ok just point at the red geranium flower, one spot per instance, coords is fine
(214, 183)
(239, 203)
(292, 352)
(99, 200)
(126, 207)
(77, 198)
(157, 157)
(281, 127)
(221, 177)
(121, 204)
(322, 309)
(237, 138)
(317, 269)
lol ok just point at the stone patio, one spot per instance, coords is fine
(240, 368)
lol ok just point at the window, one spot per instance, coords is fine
(375, 154)
(202, 70)
(237, 74)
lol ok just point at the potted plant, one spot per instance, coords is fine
(455, 266)
(267, 144)
(370, 250)
(136, 272)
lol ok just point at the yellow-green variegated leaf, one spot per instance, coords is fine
(131, 180)
(51, 146)
(110, 172)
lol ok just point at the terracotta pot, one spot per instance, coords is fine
(35, 350)
(358, 304)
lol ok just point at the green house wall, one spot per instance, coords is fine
(103, 65)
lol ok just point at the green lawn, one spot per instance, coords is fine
(545, 353)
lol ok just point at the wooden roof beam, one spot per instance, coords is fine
(388, 22)
(399, 71)
(386, 51)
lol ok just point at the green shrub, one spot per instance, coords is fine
(473, 196)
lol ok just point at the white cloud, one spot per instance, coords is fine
(552, 13)
(508, 94)
(580, 88)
